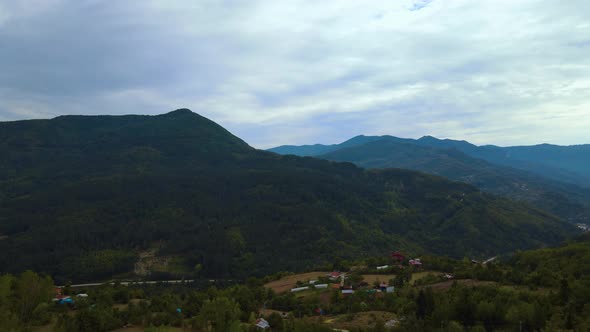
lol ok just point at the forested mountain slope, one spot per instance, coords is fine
(567, 164)
(565, 200)
(81, 196)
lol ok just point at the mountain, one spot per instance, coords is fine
(88, 197)
(560, 163)
(567, 201)
(558, 191)
(318, 149)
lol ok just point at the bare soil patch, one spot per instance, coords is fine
(285, 284)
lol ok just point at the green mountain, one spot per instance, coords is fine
(81, 197)
(565, 200)
(562, 163)
(524, 176)
(567, 164)
(319, 149)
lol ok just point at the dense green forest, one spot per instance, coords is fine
(461, 161)
(81, 198)
(539, 290)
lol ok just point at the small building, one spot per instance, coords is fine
(347, 291)
(262, 323)
(382, 267)
(390, 289)
(64, 300)
(398, 256)
(82, 295)
(415, 262)
(299, 289)
(334, 275)
(321, 286)
(448, 276)
(311, 282)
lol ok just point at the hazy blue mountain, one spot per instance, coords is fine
(569, 164)
(82, 196)
(565, 200)
(563, 163)
(318, 149)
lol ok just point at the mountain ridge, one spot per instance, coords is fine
(431, 155)
(89, 193)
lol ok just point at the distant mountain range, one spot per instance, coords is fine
(549, 176)
(81, 197)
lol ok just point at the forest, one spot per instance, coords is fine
(83, 198)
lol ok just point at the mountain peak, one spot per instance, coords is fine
(180, 112)
(428, 138)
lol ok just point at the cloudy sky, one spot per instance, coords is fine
(292, 72)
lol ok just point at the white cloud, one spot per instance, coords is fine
(489, 71)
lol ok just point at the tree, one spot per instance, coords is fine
(276, 322)
(219, 314)
(564, 290)
(30, 290)
(424, 303)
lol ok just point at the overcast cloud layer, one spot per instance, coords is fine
(292, 72)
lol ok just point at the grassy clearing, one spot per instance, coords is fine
(419, 275)
(445, 285)
(371, 278)
(286, 283)
(361, 319)
(151, 329)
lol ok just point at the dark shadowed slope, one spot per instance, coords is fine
(80, 197)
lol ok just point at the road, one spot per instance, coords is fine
(127, 283)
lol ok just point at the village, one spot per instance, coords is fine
(370, 282)
(344, 299)
(391, 292)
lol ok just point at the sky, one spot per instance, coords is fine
(499, 72)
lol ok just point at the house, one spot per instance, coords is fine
(335, 275)
(398, 256)
(299, 289)
(262, 323)
(415, 262)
